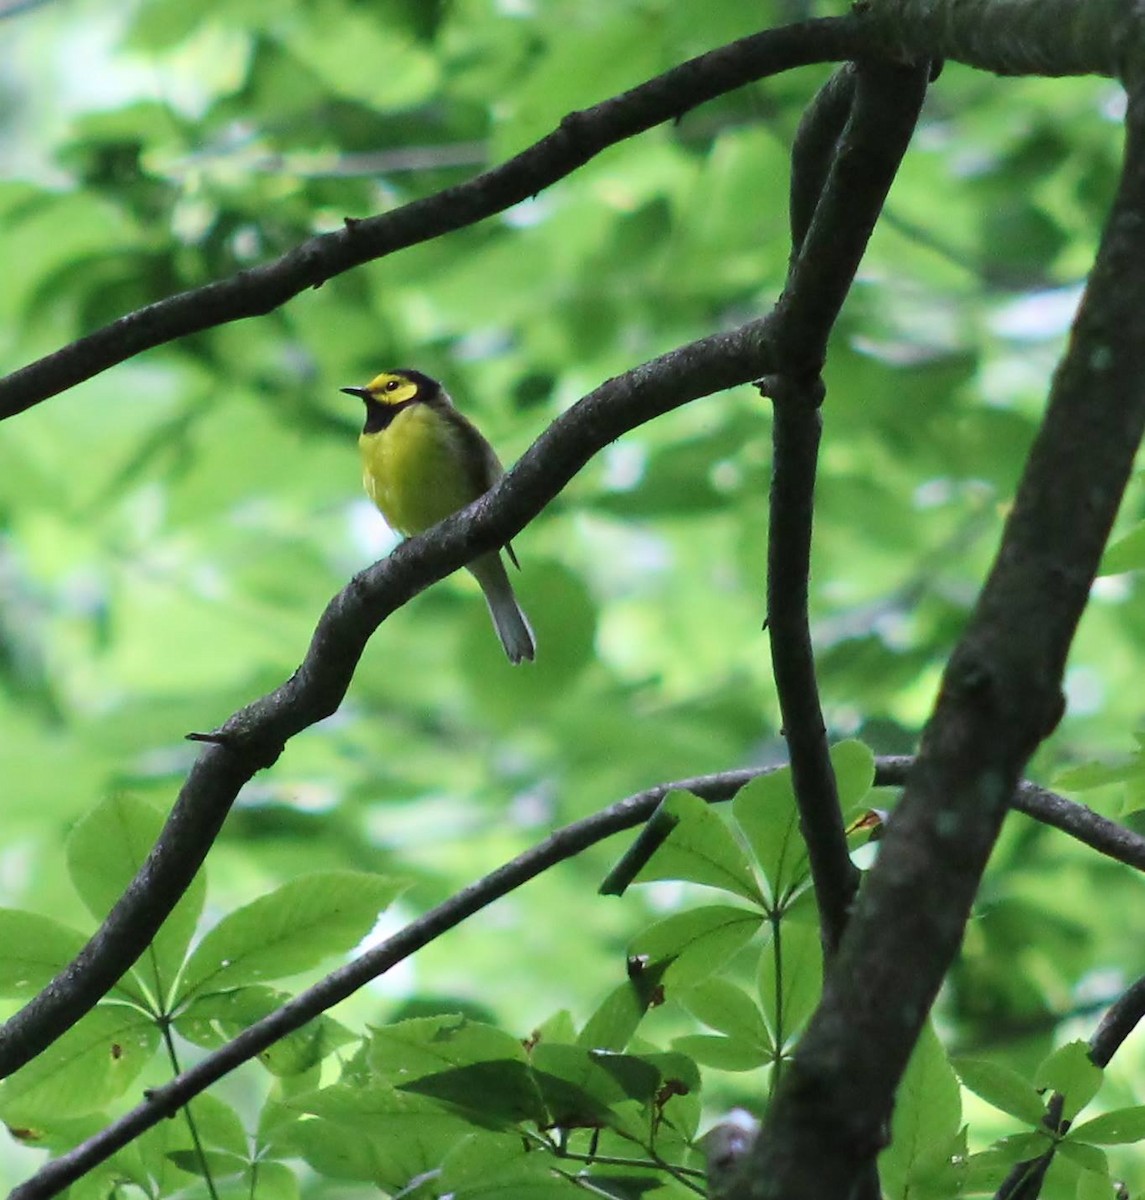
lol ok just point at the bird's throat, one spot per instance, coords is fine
(381, 416)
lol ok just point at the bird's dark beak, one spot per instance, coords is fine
(361, 392)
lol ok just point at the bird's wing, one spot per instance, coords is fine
(484, 465)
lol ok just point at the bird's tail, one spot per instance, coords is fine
(512, 625)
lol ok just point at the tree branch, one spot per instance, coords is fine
(1001, 696)
(1098, 832)
(565, 843)
(579, 138)
(847, 200)
(1018, 37)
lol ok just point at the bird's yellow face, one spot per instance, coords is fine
(392, 387)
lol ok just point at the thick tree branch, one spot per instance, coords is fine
(1017, 37)
(580, 137)
(565, 843)
(1001, 696)
(814, 147)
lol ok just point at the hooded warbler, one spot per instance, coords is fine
(421, 461)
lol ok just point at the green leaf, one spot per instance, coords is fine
(591, 1088)
(1114, 1128)
(723, 1053)
(1095, 1185)
(293, 929)
(619, 1014)
(1087, 776)
(1090, 1158)
(687, 840)
(91, 1065)
(216, 1164)
(212, 1020)
(33, 949)
(927, 1119)
(322, 46)
(1002, 1087)
(854, 765)
(1071, 1073)
(219, 1126)
(273, 1181)
(766, 812)
(696, 943)
(409, 1050)
(1126, 553)
(491, 1165)
(105, 851)
(374, 1133)
(723, 1005)
(498, 1094)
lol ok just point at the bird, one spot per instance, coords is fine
(422, 460)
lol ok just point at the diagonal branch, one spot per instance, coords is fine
(1001, 696)
(580, 137)
(558, 847)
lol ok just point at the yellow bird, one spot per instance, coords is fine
(421, 461)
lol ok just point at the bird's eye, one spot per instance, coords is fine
(391, 385)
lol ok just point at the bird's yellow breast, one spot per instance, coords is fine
(414, 470)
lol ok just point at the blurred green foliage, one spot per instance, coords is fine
(171, 530)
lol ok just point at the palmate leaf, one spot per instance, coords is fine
(105, 850)
(294, 928)
(790, 978)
